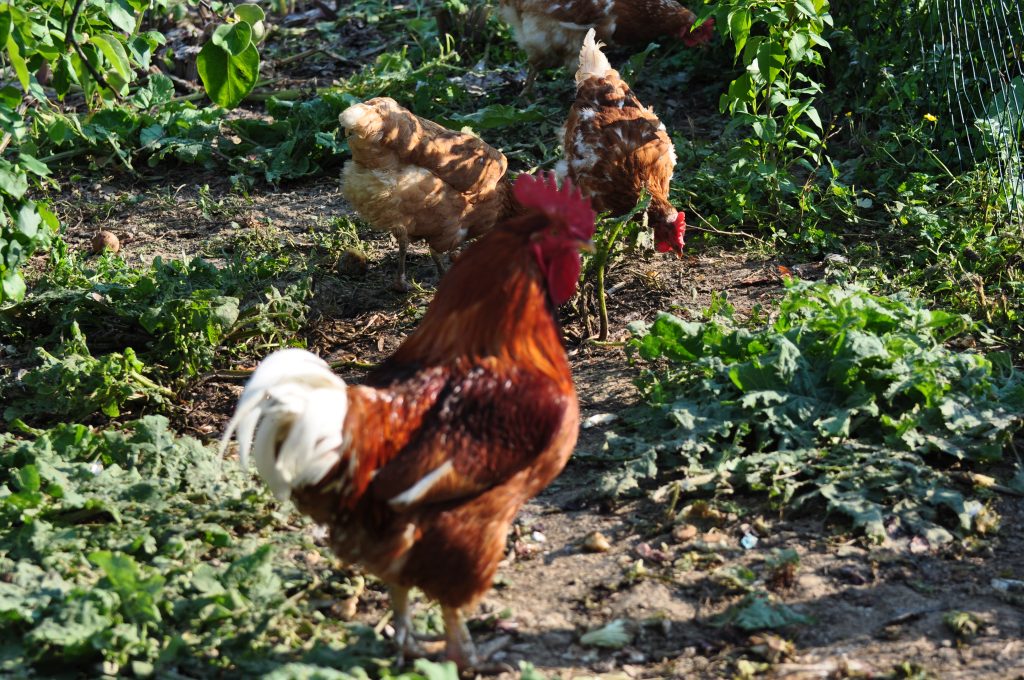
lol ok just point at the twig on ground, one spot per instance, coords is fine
(310, 52)
(986, 482)
(717, 231)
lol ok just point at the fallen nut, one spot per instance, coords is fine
(105, 240)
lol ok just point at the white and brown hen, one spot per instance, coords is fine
(551, 31)
(615, 147)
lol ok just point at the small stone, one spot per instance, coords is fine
(105, 240)
(596, 542)
(684, 532)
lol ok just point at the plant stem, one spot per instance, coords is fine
(602, 263)
(69, 40)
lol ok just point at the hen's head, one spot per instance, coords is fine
(699, 36)
(669, 232)
(562, 225)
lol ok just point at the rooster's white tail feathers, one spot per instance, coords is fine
(291, 416)
(593, 63)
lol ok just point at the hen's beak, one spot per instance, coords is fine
(587, 246)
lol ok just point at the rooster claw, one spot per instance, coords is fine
(486, 668)
(483, 665)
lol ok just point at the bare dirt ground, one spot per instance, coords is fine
(875, 611)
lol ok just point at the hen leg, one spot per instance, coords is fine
(462, 651)
(438, 259)
(531, 75)
(460, 647)
(400, 284)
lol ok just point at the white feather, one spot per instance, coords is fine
(593, 63)
(291, 416)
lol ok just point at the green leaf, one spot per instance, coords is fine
(120, 13)
(798, 45)
(114, 51)
(234, 38)
(13, 181)
(250, 13)
(806, 7)
(431, 670)
(27, 479)
(33, 165)
(18, 62)
(739, 22)
(228, 79)
(6, 22)
(771, 59)
(12, 286)
(757, 612)
(27, 220)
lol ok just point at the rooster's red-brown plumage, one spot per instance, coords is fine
(419, 471)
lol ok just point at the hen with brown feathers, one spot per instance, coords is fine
(421, 181)
(615, 147)
(550, 31)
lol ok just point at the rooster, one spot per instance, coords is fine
(419, 471)
(421, 181)
(550, 31)
(615, 147)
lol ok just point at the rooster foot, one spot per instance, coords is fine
(483, 664)
(463, 652)
(400, 285)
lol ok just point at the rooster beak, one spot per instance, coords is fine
(587, 246)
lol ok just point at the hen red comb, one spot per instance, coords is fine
(701, 35)
(567, 205)
(677, 240)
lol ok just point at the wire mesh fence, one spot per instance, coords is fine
(973, 50)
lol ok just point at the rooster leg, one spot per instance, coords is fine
(405, 637)
(400, 284)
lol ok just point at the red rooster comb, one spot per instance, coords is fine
(540, 192)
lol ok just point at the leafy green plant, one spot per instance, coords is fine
(760, 611)
(847, 398)
(608, 241)
(779, 45)
(74, 384)
(133, 551)
(229, 63)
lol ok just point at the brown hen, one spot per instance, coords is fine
(550, 31)
(421, 181)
